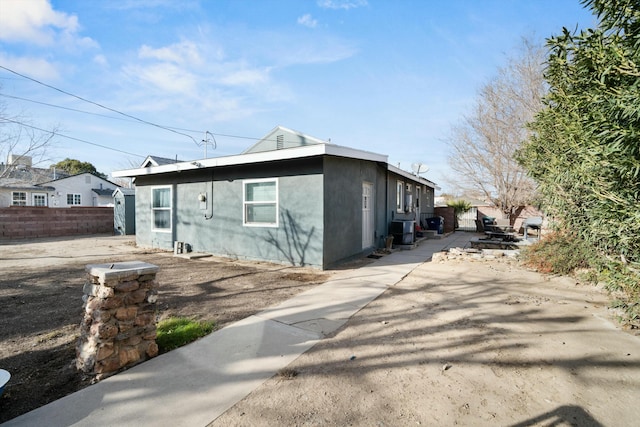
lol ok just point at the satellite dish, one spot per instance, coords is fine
(419, 168)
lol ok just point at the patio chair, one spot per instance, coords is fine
(534, 223)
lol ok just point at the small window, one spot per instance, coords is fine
(260, 203)
(74, 199)
(161, 208)
(18, 198)
(399, 196)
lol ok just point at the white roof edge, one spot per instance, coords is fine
(413, 177)
(258, 157)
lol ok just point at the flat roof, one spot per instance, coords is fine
(269, 156)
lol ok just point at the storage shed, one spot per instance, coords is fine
(124, 211)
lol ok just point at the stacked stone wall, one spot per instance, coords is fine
(118, 327)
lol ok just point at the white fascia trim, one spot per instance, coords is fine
(261, 157)
(412, 177)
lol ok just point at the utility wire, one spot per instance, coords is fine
(169, 128)
(253, 138)
(99, 105)
(71, 137)
(63, 108)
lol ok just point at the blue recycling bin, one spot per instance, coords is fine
(488, 220)
(436, 223)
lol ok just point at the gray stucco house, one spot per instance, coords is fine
(290, 198)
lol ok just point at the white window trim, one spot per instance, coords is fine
(400, 196)
(73, 199)
(244, 204)
(13, 198)
(170, 209)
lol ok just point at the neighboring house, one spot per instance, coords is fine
(158, 161)
(22, 185)
(83, 189)
(290, 198)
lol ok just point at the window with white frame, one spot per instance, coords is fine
(18, 198)
(74, 199)
(39, 200)
(161, 208)
(260, 202)
(399, 196)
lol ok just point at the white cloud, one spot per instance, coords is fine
(101, 60)
(244, 77)
(38, 68)
(35, 21)
(166, 77)
(307, 21)
(182, 53)
(342, 4)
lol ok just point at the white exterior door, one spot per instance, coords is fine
(39, 199)
(367, 215)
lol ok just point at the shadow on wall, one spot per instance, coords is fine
(296, 240)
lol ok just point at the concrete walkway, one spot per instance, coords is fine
(193, 385)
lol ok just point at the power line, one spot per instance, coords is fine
(99, 105)
(63, 108)
(118, 118)
(72, 138)
(168, 128)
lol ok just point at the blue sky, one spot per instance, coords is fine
(386, 76)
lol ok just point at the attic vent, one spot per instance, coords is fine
(279, 142)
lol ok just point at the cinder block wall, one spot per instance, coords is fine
(27, 222)
(447, 213)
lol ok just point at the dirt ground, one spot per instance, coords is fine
(41, 304)
(462, 343)
(454, 343)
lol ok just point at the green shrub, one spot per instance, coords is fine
(175, 332)
(560, 253)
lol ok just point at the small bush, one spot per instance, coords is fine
(563, 253)
(560, 253)
(175, 332)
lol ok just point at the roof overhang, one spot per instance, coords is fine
(412, 177)
(253, 158)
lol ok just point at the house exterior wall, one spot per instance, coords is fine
(343, 180)
(296, 240)
(81, 185)
(417, 207)
(281, 138)
(6, 196)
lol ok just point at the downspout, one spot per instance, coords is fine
(206, 215)
(386, 201)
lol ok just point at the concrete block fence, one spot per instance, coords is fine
(28, 222)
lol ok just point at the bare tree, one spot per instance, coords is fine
(21, 138)
(483, 144)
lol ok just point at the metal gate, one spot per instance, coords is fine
(467, 220)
